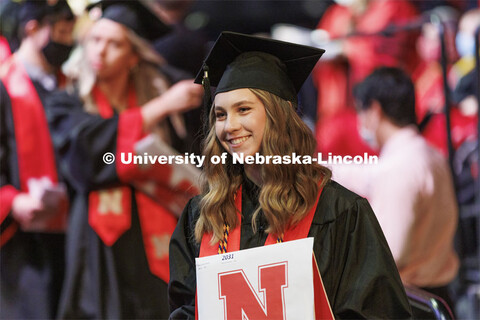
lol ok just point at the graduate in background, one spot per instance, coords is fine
(257, 81)
(33, 206)
(353, 51)
(427, 76)
(117, 245)
(428, 81)
(465, 44)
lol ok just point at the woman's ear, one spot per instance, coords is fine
(134, 61)
(31, 27)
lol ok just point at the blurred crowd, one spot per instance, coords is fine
(84, 239)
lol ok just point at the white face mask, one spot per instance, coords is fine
(345, 3)
(368, 137)
(465, 44)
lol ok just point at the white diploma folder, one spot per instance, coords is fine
(269, 282)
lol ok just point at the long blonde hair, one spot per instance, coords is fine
(287, 192)
(148, 80)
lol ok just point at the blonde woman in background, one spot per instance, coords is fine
(117, 246)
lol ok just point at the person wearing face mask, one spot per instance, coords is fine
(428, 80)
(410, 188)
(251, 205)
(465, 43)
(33, 203)
(123, 213)
(427, 76)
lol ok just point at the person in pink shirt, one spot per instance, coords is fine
(410, 188)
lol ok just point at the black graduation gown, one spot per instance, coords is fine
(31, 264)
(357, 268)
(101, 282)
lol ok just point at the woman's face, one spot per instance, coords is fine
(109, 52)
(240, 121)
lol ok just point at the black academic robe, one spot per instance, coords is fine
(102, 282)
(357, 268)
(31, 263)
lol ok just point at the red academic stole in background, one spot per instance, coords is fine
(36, 158)
(300, 231)
(110, 210)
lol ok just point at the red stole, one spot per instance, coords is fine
(5, 51)
(300, 231)
(7, 194)
(110, 210)
(36, 157)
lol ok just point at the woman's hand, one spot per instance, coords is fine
(33, 213)
(181, 97)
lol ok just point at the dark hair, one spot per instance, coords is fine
(393, 90)
(42, 12)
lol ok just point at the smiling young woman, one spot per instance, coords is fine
(264, 123)
(254, 111)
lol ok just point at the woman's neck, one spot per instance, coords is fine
(116, 91)
(29, 54)
(254, 173)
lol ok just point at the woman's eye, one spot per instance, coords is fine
(94, 39)
(243, 109)
(116, 44)
(220, 115)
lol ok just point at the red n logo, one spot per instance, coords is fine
(241, 301)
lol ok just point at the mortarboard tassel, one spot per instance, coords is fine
(207, 101)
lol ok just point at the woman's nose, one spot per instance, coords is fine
(232, 124)
(101, 48)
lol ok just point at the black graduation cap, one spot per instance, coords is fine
(244, 61)
(134, 15)
(41, 9)
(33, 10)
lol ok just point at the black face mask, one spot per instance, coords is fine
(56, 53)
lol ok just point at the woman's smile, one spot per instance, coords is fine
(237, 142)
